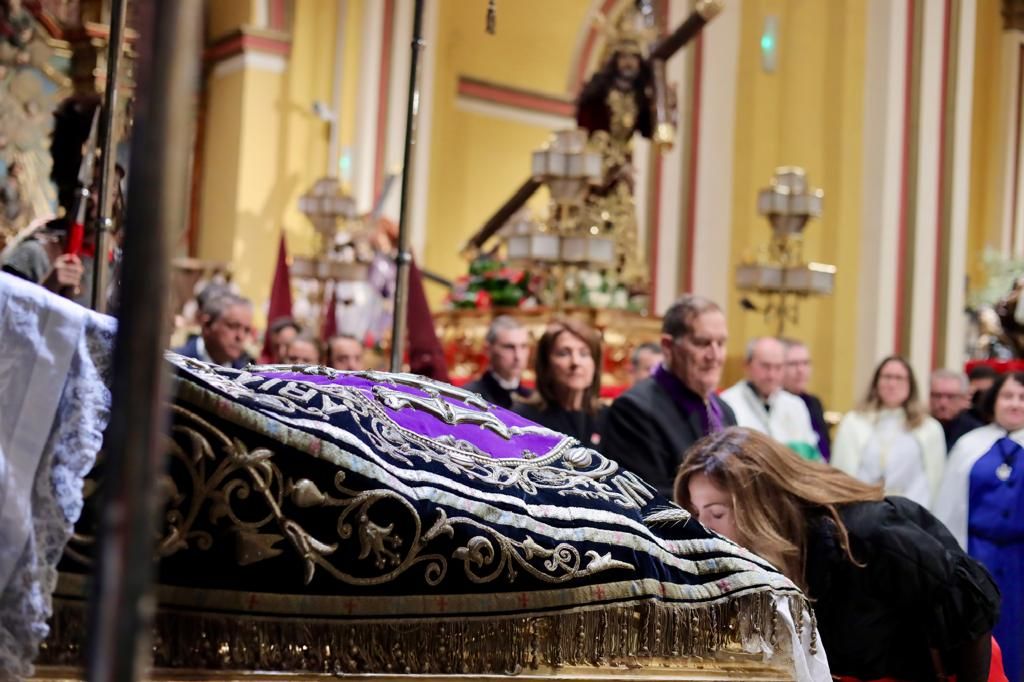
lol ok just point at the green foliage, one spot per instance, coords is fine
(1001, 272)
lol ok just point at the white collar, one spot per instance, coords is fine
(202, 352)
(505, 383)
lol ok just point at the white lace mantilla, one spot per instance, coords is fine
(54, 405)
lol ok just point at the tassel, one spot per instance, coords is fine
(643, 633)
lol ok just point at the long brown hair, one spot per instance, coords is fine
(547, 391)
(913, 409)
(773, 491)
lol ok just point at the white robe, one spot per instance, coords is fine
(951, 502)
(855, 433)
(787, 420)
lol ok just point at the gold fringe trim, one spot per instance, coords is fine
(621, 635)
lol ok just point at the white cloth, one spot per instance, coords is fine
(807, 666)
(54, 405)
(951, 502)
(786, 419)
(877, 447)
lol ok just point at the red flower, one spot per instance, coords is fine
(483, 299)
(511, 274)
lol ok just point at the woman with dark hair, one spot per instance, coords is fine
(890, 440)
(567, 365)
(894, 595)
(981, 503)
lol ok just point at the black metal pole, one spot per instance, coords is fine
(404, 258)
(108, 156)
(122, 605)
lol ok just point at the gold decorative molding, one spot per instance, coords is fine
(704, 672)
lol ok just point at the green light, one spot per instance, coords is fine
(769, 43)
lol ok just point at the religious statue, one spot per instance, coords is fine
(615, 104)
(628, 95)
(617, 98)
(15, 30)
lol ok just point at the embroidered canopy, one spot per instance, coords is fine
(376, 522)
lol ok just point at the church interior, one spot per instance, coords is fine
(409, 185)
(902, 113)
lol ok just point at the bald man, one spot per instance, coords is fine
(760, 402)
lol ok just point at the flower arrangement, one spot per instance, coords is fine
(595, 289)
(490, 284)
(1001, 272)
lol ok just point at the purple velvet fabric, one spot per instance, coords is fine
(689, 402)
(536, 444)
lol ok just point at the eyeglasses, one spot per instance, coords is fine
(946, 396)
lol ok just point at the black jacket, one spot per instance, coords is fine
(915, 590)
(492, 392)
(646, 433)
(962, 423)
(584, 427)
(817, 412)
(191, 350)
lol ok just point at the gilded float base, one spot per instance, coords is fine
(709, 673)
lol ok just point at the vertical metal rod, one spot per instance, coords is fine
(404, 258)
(122, 605)
(108, 155)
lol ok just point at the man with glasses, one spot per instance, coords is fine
(796, 378)
(948, 402)
(226, 321)
(761, 403)
(651, 425)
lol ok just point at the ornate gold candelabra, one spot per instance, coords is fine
(343, 245)
(781, 276)
(565, 242)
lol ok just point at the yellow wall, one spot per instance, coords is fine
(264, 147)
(220, 176)
(223, 17)
(531, 48)
(807, 113)
(350, 78)
(986, 141)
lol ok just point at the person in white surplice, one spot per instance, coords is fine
(760, 402)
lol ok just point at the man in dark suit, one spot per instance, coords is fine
(949, 403)
(796, 376)
(650, 426)
(226, 321)
(508, 352)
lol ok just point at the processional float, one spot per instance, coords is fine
(374, 525)
(584, 259)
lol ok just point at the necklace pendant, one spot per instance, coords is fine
(1003, 471)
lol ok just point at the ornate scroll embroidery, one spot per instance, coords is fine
(560, 564)
(222, 470)
(571, 471)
